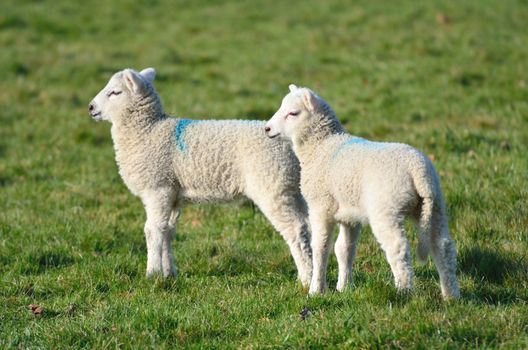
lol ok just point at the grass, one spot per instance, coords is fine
(448, 77)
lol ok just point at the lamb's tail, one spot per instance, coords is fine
(425, 224)
(426, 184)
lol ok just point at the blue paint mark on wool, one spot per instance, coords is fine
(357, 141)
(179, 131)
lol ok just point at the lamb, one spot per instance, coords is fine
(352, 181)
(168, 162)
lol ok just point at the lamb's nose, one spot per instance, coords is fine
(91, 107)
(267, 129)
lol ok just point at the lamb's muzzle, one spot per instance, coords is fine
(96, 115)
(269, 133)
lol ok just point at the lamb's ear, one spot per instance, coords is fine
(148, 73)
(293, 87)
(310, 100)
(134, 82)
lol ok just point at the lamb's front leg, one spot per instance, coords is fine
(345, 250)
(322, 227)
(158, 233)
(167, 260)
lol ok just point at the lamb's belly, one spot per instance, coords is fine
(209, 195)
(213, 186)
(350, 215)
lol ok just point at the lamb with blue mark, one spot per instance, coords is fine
(352, 181)
(180, 130)
(168, 162)
(356, 141)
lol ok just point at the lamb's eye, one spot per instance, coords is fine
(293, 114)
(114, 93)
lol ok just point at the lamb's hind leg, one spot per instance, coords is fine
(158, 232)
(391, 236)
(287, 213)
(345, 250)
(443, 253)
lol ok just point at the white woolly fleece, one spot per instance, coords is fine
(352, 181)
(168, 161)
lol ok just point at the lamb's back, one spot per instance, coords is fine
(212, 157)
(359, 166)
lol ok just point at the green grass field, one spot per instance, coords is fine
(450, 78)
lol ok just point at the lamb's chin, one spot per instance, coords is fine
(97, 117)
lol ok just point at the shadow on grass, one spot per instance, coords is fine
(230, 264)
(489, 265)
(46, 261)
(494, 296)
(167, 284)
(490, 269)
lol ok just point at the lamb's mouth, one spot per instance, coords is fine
(273, 136)
(96, 116)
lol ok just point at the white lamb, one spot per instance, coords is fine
(168, 161)
(352, 181)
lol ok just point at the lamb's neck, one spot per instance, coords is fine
(136, 124)
(138, 121)
(307, 140)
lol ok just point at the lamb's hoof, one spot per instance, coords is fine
(452, 295)
(317, 290)
(304, 286)
(164, 274)
(404, 293)
(341, 287)
(305, 281)
(314, 293)
(450, 298)
(403, 287)
(153, 272)
(170, 273)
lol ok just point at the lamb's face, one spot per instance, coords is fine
(297, 107)
(111, 103)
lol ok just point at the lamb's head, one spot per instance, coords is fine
(123, 90)
(300, 109)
